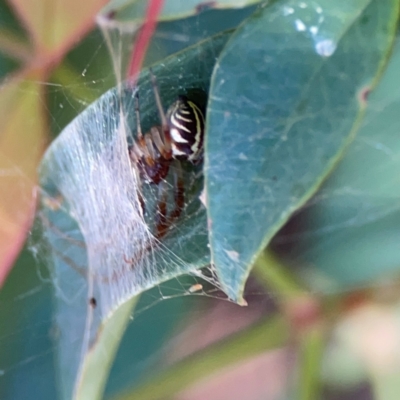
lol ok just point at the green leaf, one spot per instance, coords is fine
(133, 11)
(92, 218)
(350, 231)
(285, 101)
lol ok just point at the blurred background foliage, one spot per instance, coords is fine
(342, 247)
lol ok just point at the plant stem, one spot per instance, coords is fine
(310, 354)
(263, 336)
(270, 271)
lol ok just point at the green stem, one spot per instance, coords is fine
(310, 354)
(264, 336)
(302, 310)
(275, 276)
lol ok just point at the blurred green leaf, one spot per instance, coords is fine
(8, 21)
(52, 30)
(26, 351)
(285, 101)
(13, 47)
(364, 347)
(22, 134)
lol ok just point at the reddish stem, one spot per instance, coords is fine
(146, 32)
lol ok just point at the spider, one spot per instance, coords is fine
(179, 137)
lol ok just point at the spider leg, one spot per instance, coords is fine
(179, 191)
(150, 149)
(158, 142)
(141, 146)
(139, 191)
(165, 135)
(135, 154)
(162, 220)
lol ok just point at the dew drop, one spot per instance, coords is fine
(300, 25)
(325, 47)
(287, 11)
